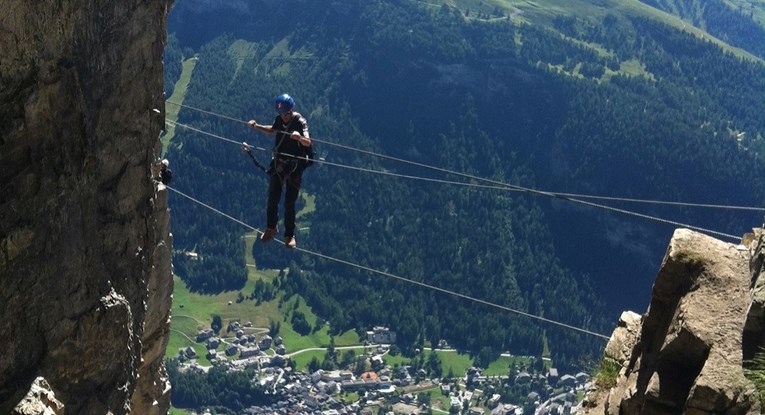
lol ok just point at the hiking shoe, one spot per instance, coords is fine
(268, 235)
(290, 242)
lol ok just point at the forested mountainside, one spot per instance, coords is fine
(740, 23)
(619, 105)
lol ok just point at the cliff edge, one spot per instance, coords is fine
(687, 353)
(84, 230)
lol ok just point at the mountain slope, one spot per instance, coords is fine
(621, 105)
(735, 23)
(737, 26)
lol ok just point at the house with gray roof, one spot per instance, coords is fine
(203, 335)
(567, 381)
(231, 350)
(249, 352)
(265, 342)
(190, 352)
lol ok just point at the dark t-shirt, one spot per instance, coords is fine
(283, 143)
(166, 175)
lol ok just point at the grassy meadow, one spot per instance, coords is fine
(179, 94)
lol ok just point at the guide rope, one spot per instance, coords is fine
(397, 277)
(501, 184)
(498, 186)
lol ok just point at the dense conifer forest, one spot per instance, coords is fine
(619, 106)
(732, 22)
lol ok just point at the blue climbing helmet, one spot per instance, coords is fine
(284, 103)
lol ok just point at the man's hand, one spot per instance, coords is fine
(296, 136)
(252, 124)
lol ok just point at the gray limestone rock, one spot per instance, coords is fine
(84, 230)
(40, 400)
(704, 318)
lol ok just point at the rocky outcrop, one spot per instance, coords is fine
(152, 393)
(84, 230)
(40, 400)
(687, 353)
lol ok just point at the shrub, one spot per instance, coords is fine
(756, 374)
(607, 373)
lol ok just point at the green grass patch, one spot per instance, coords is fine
(295, 341)
(179, 94)
(302, 222)
(349, 338)
(198, 309)
(203, 306)
(501, 366)
(634, 67)
(691, 259)
(607, 373)
(241, 51)
(193, 311)
(437, 399)
(303, 359)
(281, 49)
(458, 363)
(595, 47)
(178, 411)
(280, 57)
(190, 304)
(249, 240)
(755, 371)
(320, 338)
(545, 346)
(179, 340)
(349, 397)
(397, 360)
(310, 204)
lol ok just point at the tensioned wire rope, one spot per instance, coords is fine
(498, 186)
(398, 277)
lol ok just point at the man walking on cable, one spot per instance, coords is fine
(292, 153)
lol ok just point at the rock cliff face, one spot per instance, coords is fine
(687, 353)
(84, 230)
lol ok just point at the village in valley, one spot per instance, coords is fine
(365, 384)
